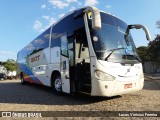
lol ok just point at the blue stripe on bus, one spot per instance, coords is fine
(27, 71)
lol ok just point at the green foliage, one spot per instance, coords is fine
(158, 24)
(10, 65)
(154, 49)
(143, 53)
(151, 52)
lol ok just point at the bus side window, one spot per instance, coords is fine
(70, 50)
(82, 50)
(64, 45)
(77, 48)
(85, 51)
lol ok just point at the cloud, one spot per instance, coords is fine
(69, 1)
(46, 21)
(45, 17)
(39, 41)
(4, 55)
(29, 47)
(61, 15)
(6, 52)
(108, 6)
(59, 4)
(51, 21)
(62, 3)
(79, 3)
(37, 25)
(91, 2)
(72, 8)
(43, 6)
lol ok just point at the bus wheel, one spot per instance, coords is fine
(57, 85)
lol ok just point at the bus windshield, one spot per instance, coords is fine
(111, 42)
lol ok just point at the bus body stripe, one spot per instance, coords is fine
(28, 74)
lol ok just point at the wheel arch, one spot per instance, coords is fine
(53, 75)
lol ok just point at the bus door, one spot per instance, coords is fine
(82, 62)
(65, 64)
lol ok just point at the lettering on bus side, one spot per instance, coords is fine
(36, 58)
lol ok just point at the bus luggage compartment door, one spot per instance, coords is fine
(65, 74)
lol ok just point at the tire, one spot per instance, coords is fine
(57, 85)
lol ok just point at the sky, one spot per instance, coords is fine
(21, 21)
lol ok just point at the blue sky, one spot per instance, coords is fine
(23, 20)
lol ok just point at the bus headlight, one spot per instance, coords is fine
(103, 76)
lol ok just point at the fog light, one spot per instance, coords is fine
(106, 86)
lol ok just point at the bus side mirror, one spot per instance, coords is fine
(96, 18)
(139, 26)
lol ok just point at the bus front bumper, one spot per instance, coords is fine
(116, 87)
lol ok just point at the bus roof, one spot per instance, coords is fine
(76, 13)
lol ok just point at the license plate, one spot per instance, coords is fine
(126, 86)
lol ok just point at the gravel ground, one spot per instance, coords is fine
(17, 97)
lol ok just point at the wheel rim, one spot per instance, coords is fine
(58, 84)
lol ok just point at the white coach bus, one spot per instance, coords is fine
(88, 51)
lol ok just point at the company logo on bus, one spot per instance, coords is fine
(36, 58)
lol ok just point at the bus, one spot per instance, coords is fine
(87, 51)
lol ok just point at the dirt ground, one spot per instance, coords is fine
(17, 97)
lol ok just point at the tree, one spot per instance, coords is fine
(10, 65)
(154, 49)
(158, 24)
(143, 53)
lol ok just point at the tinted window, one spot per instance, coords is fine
(71, 50)
(107, 39)
(120, 23)
(111, 42)
(55, 39)
(107, 19)
(64, 46)
(40, 43)
(21, 55)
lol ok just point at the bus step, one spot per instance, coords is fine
(86, 81)
(82, 92)
(87, 85)
(88, 72)
(86, 88)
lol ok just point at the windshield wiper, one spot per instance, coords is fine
(113, 50)
(136, 57)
